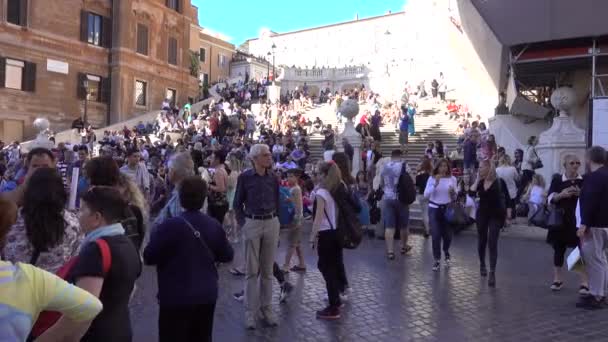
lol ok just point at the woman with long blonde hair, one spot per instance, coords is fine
(324, 237)
(491, 215)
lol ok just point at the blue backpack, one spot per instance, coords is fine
(287, 210)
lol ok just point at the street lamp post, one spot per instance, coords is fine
(274, 74)
(85, 85)
(267, 68)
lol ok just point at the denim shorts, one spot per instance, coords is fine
(395, 214)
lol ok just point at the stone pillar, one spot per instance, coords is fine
(349, 110)
(564, 137)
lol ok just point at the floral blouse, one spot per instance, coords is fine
(19, 249)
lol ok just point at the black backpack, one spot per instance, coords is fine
(133, 223)
(406, 191)
(349, 228)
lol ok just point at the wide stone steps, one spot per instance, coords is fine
(430, 124)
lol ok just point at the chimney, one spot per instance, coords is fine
(388, 12)
(356, 16)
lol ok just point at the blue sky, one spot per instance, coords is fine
(243, 19)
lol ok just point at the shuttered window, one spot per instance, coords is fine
(202, 54)
(18, 75)
(16, 12)
(173, 4)
(142, 39)
(95, 29)
(172, 51)
(98, 88)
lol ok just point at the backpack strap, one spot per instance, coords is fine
(106, 255)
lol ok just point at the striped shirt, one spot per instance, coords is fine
(26, 290)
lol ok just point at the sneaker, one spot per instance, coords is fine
(329, 313)
(557, 285)
(249, 322)
(343, 297)
(590, 303)
(436, 266)
(448, 261)
(236, 272)
(269, 318)
(286, 289)
(583, 290)
(239, 296)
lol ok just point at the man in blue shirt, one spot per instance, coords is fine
(593, 230)
(256, 205)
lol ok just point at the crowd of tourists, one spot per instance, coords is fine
(180, 193)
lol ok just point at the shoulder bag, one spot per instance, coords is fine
(537, 163)
(198, 236)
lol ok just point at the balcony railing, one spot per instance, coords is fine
(325, 73)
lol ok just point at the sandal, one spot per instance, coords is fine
(406, 249)
(390, 255)
(297, 268)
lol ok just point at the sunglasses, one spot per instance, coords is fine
(575, 163)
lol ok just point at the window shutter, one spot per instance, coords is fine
(105, 86)
(178, 6)
(23, 13)
(2, 72)
(142, 39)
(84, 25)
(172, 51)
(106, 32)
(80, 92)
(29, 77)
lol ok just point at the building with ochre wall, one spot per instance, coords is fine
(133, 54)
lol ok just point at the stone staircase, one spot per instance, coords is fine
(430, 123)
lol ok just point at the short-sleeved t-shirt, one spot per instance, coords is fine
(113, 323)
(330, 209)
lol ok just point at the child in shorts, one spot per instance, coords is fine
(295, 228)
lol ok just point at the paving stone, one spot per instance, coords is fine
(403, 300)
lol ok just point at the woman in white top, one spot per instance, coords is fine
(509, 174)
(440, 191)
(535, 194)
(530, 157)
(325, 237)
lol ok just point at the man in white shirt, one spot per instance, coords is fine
(394, 213)
(137, 171)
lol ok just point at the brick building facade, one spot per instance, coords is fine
(214, 52)
(133, 53)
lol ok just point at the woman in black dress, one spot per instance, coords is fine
(563, 193)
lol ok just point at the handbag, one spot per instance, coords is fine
(455, 214)
(537, 163)
(540, 217)
(555, 218)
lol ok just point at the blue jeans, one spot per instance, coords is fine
(440, 230)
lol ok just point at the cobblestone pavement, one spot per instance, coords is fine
(403, 300)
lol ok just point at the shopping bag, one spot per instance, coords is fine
(575, 261)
